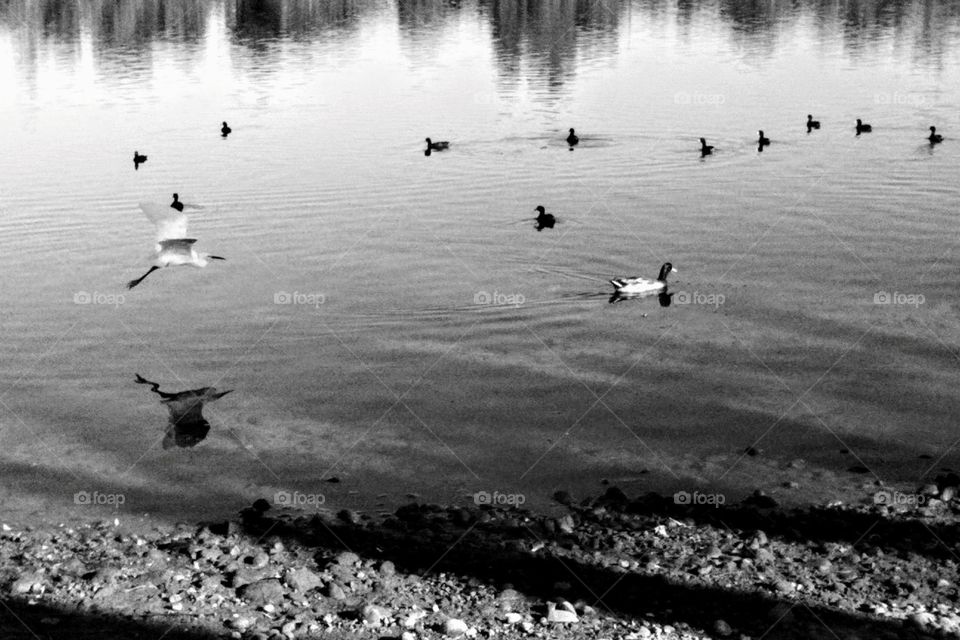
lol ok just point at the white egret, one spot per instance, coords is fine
(174, 248)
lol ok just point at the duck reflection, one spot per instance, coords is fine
(186, 427)
(664, 297)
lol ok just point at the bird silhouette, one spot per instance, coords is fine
(186, 426)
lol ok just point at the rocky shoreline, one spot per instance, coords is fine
(611, 567)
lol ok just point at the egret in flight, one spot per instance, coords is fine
(173, 248)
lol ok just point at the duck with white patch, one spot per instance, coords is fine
(643, 286)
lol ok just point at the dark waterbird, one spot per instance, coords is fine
(811, 123)
(863, 128)
(544, 220)
(572, 139)
(762, 141)
(934, 136)
(138, 159)
(437, 146)
(176, 204)
(705, 149)
(225, 130)
(186, 426)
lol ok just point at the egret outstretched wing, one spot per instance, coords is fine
(171, 224)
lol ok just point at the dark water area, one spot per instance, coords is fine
(402, 322)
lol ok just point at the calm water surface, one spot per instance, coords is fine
(434, 342)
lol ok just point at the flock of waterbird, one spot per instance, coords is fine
(174, 248)
(187, 427)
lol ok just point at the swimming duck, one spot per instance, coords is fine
(544, 220)
(643, 285)
(863, 128)
(705, 149)
(763, 140)
(437, 146)
(225, 130)
(934, 136)
(138, 158)
(572, 139)
(176, 204)
(811, 123)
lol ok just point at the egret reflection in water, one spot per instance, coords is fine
(186, 426)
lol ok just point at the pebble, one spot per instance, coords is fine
(562, 613)
(347, 559)
(240, 623)
(25, 583)
(454, 628)
(922, 619)
(302, 579)
(335, 591)
(258, 560)
(374, 615)
(262, 592)
(722, 628)
(387, 569)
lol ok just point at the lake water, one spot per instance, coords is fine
(396, 321)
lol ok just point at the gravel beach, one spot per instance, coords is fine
(613, 566)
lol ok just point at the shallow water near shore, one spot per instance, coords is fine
(395, 321)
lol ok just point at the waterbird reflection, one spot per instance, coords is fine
(664, 297)
(186, 426)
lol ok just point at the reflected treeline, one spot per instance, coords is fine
(110, 23)
(250, 20)
(547, 35)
